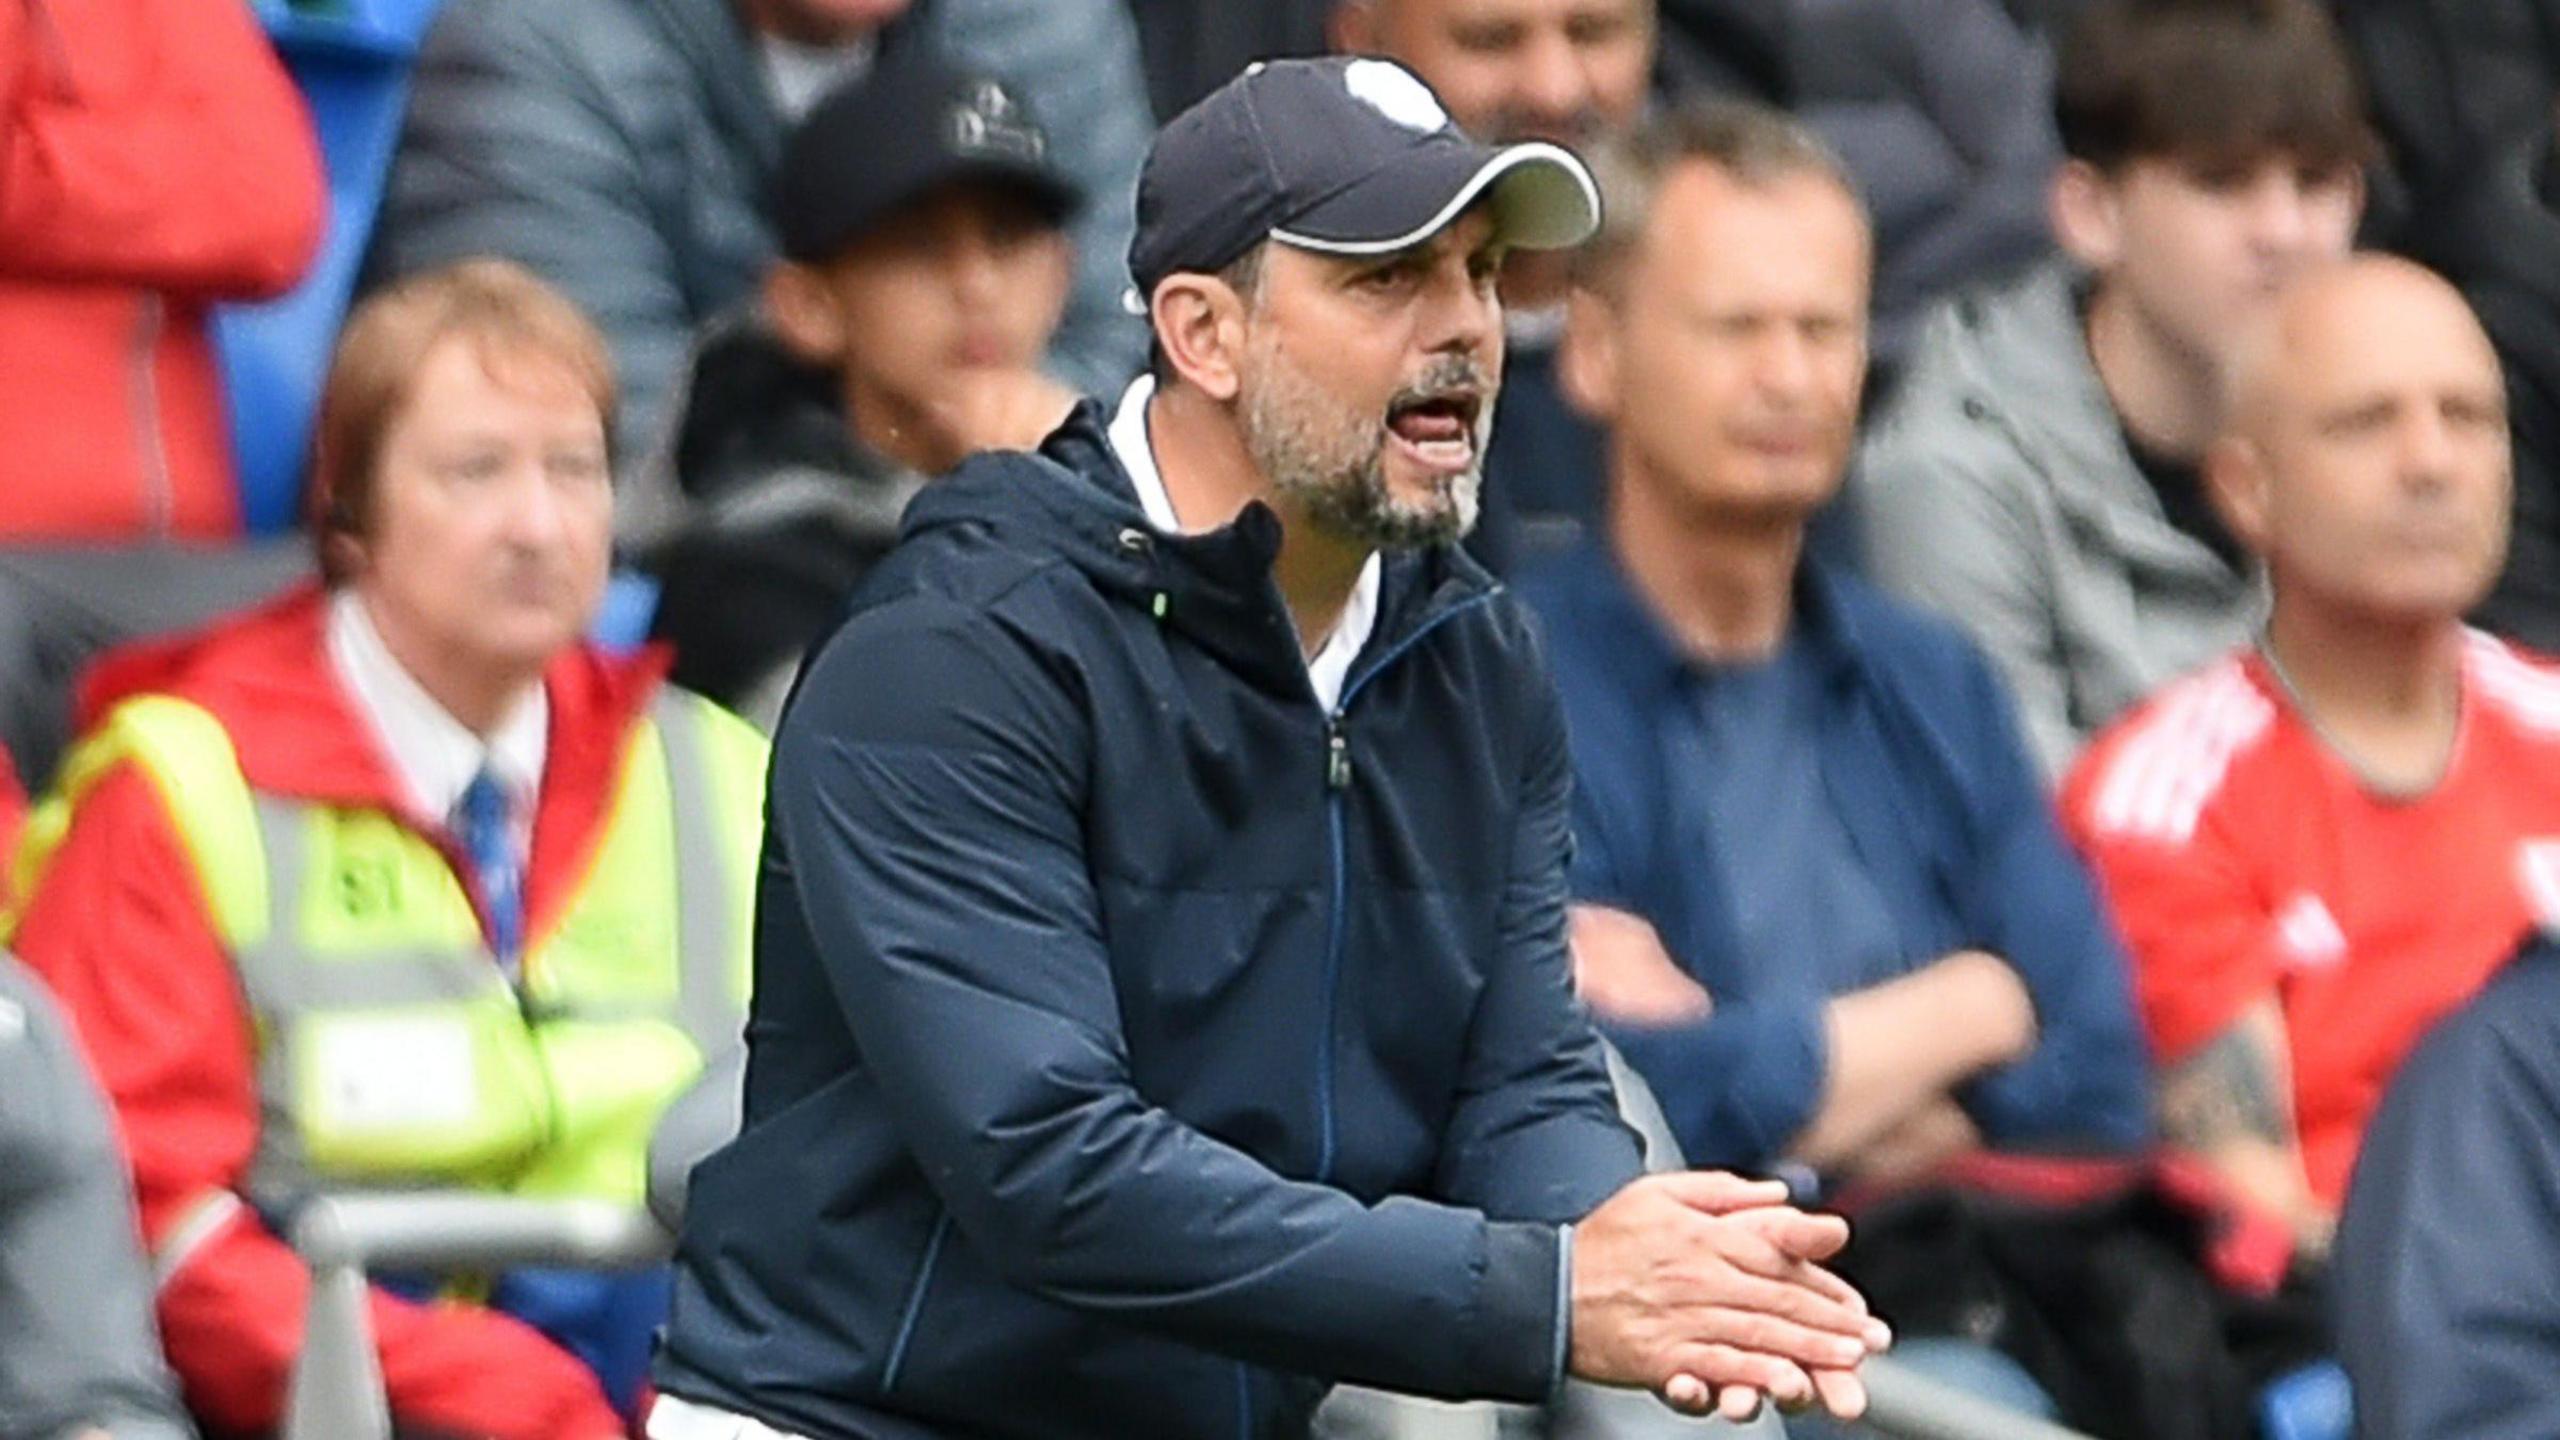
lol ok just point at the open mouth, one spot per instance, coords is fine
(1438, 429)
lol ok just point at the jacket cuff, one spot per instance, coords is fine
(1517, 1328)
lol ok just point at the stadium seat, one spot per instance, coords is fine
(352, 59)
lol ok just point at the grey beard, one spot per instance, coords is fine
(1335, 473)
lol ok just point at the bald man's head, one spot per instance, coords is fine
(2366, 455)
(1569, 71)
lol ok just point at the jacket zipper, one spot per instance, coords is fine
(915, 1304)
(159, 500)
(1337, 780)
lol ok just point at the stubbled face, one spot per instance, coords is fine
(2200, 251)
(490, 529)
(1737, 340)
(1367, 386)
(2382, 461)
(1567, 71)
(970, 277)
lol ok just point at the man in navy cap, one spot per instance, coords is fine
(1162, 1007)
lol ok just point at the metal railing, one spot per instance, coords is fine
(1908, 1405)
(337, 1381)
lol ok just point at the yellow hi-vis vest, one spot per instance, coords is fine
(391, 1050)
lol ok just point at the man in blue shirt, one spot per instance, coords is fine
(1823, 905)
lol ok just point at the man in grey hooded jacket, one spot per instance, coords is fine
(2036, 478)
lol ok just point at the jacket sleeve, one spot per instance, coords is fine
(2203, 942)
(1735, 1087)
(1536, 1133)
(2029, 900)
(1948, 528)
(2446, 1265)
(935, 828)
(1076, 62)
(76, 1345)
(195, 172)
(510, 148)
(172, 1050)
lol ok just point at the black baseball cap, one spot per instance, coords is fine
(912, 124)
(1349, 155)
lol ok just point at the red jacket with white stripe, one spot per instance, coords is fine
(2243, 857)
(154, 158)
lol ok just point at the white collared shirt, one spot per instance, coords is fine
(801, 75)
(432, 754)
(1330, 666)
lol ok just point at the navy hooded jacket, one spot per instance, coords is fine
(1137, 1047)
(1923, 763)
(2447, 1281)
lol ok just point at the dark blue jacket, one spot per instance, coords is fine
(1135, 1046)
(1922, 759)
(2447, 1278)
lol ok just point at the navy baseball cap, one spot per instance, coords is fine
(910, 125)
(1347, 155)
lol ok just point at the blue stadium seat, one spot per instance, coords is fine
(630, 603)
(352, 59)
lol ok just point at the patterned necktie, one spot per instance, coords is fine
(480, 821)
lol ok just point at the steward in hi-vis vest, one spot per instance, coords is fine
(288, 979)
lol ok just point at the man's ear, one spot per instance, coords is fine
(1351, 27)
(1200, 325)
(1587, 358)
(2087, 219)
(801, 307)
(2240, 485)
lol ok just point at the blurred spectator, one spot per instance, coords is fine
(1569, 72)
(625, 150)
(397, 882)
(79, 1359)
(1938, 105)
(925, 264)
(2322, 843)
(2036, 477)
(1943, 110)
(154, 158)
(2448, 1265)
(1825, 908)
(1194, 46)
(2497, 236)
(2452, 82)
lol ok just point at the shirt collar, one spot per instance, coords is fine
(1330, 667)
(433, 754)
(1821, 623)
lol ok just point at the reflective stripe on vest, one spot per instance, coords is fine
(392, 1051)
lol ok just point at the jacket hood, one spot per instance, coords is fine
(1072, 502)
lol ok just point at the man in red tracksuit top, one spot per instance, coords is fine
(2320, 845)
